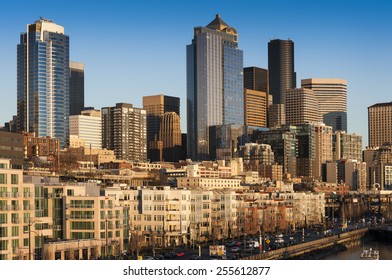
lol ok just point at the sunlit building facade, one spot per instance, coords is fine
(214, 84)
(43, 81)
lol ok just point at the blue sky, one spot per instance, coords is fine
(136, 48)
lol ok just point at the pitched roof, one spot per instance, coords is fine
(217, 23)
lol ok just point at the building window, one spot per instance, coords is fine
(3, 178)
(14, 179)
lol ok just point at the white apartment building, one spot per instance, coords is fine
(18, 221)
(208, 183)
(87, 127)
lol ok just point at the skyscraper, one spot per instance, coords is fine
(281, 68)
(256, 97)
(124, 131)
(380, 124)
(43, 81)
(314, 149)
(76, 88)
(332, 98)
(256, 107)
(256, 78)
(301, 106)
(214, 84)
(156, 106)
(170, 135)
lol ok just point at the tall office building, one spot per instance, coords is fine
(214, 84)
(170, 135)
(281, 71)
(256, 97)
(43, 81)
(380, 124)
(256, 78)
(156, 106)
(256, 107)
(382, 168)
(88, 127)
(276, 116)
(124, 131)
(76, 88)
(224, 141)
(332, 98)
(301, 106)
(284, 144)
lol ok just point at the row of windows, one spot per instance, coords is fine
(14, 179)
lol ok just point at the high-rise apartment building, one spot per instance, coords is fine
(17, 214)
(346, 146)
(301, 106)
(214, 84)
(352, 173)
(76, 88)
(156, 106)
(43, 81)
(314, 149)
(124, 131)
(170, 135)
(88, 127)
(380, 124)
(332, 98)
(281, 71)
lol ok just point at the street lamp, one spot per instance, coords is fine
(106, 238)
(29, 225)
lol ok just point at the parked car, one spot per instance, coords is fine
(180, 254)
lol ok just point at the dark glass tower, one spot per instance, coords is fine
(76, 88)
(214, 84)
(43, 81)
(280, 68)
(256, 79)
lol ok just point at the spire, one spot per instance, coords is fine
(218, 23)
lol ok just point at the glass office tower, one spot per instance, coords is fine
(76, 88)
(281, 68)
(43, 81)
(214, 84)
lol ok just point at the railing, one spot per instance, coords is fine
(80, 217)
(308, 246)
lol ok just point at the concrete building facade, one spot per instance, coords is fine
(124, 130)
(88, 127)
(380, 124)
(332, 99)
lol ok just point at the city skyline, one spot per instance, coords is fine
(350, 43)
